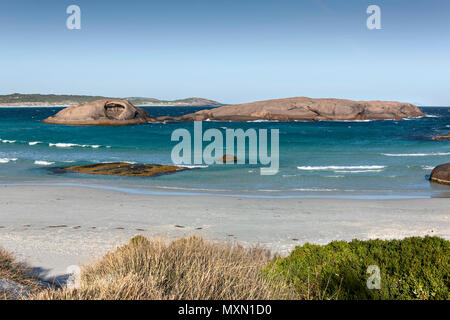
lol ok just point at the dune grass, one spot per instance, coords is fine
(16, 278)
(189, 268)
(192, 268)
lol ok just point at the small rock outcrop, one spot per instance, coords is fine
(306, 109)
(228, 158)
(441, 174)
(443, 137)
(105, 112)
(126, 169)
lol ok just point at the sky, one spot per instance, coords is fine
(231, 51)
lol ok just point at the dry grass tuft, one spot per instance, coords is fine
(16, 279)
(189, 268)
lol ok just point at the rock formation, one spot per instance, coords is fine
(228, 158)
(126, 169)
(106, 112)
(441, 174)
(305, 109)
(443, 137)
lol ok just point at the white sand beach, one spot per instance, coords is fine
(53, 227)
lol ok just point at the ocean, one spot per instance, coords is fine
(381, 159)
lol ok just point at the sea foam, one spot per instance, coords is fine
(356, 171)
(332, 168)
(416, 154)
(6, 160)
(43, 163)
(70, 145)
(7, 141)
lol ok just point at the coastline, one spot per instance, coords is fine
(49, 105)
(36, 228)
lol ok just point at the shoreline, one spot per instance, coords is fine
(36, 229)
(246, 194)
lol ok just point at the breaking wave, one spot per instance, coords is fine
(416, 154)
(70, 145)
(332, 168)
(43, 163)
(6, 160)
(7, 141)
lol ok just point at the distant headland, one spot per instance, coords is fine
(59, 100)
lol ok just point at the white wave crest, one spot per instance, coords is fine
(6, 160)
(70, 145)
(193, 166)
(43, 163)
(356, 171)
(416, 154)
(33, 143)
(333, 168)
(63, 145)
(7, 141)
(262, 120)
(313, 189)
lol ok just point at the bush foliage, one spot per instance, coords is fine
(412, 268)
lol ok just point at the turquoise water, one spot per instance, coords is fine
(374, 159)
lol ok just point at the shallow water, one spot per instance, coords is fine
(370, 159)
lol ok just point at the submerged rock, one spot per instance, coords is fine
(441, 174)
(306, 109)
(106, 112)
(443, 137)
(126, 169)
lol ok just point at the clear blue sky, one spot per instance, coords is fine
(231, 51)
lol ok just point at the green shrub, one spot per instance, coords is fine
(412, 268)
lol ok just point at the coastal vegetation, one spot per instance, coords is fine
(192, 268)
(189, 268)
(412, 268)
(16, 278)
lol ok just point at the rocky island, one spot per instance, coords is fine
(306, 109)
(122, 112)
(101, 112)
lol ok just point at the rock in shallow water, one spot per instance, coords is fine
(126, 169)
(443, 137)
(106, 112)
(441, 174)
(227, 158)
